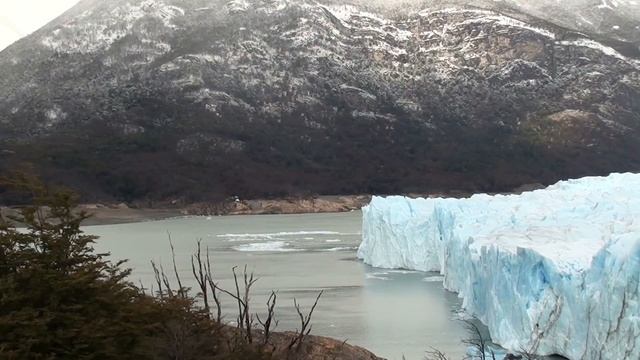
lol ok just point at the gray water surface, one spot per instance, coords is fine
(390, 312)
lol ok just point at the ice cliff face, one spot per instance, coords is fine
(553, 271)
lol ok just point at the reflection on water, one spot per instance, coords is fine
(390, 312)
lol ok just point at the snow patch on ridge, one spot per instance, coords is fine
(82, 36)
(487, 16)
(553, 271)
(599, 47)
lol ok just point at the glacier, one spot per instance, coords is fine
(552, 271)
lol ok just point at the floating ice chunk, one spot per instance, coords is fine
(377, 276)
(341, 248)
(271, 246)
(282, 233)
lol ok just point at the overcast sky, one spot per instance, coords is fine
(19, 18)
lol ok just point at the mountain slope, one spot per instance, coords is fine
(616, 19)
(202, 99)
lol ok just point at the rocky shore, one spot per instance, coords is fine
(103, 214)
(292, 205)
(117, 213)
(318, 348)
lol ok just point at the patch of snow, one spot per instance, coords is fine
(212, 108)
(343, 12)
(607, 4)
(130, 129)
(364, 114)
(203, 58)
(272, 6)
(403, 35)
(429, 13)
(161, 47)
(170, 66)
(508, 22)
(395, 51)
(165, 12)
(599, 47)
(362, 92)
(237, 6)
(54, 115)
(82, 36)
(175, 10)
(585, 19)
(189, 80)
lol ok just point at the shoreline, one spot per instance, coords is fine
(112, 214)
(122, 213)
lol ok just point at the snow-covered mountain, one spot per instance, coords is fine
(159, 98)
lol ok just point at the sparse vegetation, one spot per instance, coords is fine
(61, 299)
(480, 349)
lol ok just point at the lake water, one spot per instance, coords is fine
(392, 313)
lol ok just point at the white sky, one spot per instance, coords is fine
(19, 18)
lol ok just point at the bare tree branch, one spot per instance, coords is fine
(478, 342)
(200, 275)
(266, 324)
(181, 290)
(435, 354)
(158, 278)
(305, 328)
(214, 288)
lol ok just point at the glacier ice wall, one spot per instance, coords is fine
(553, 271)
